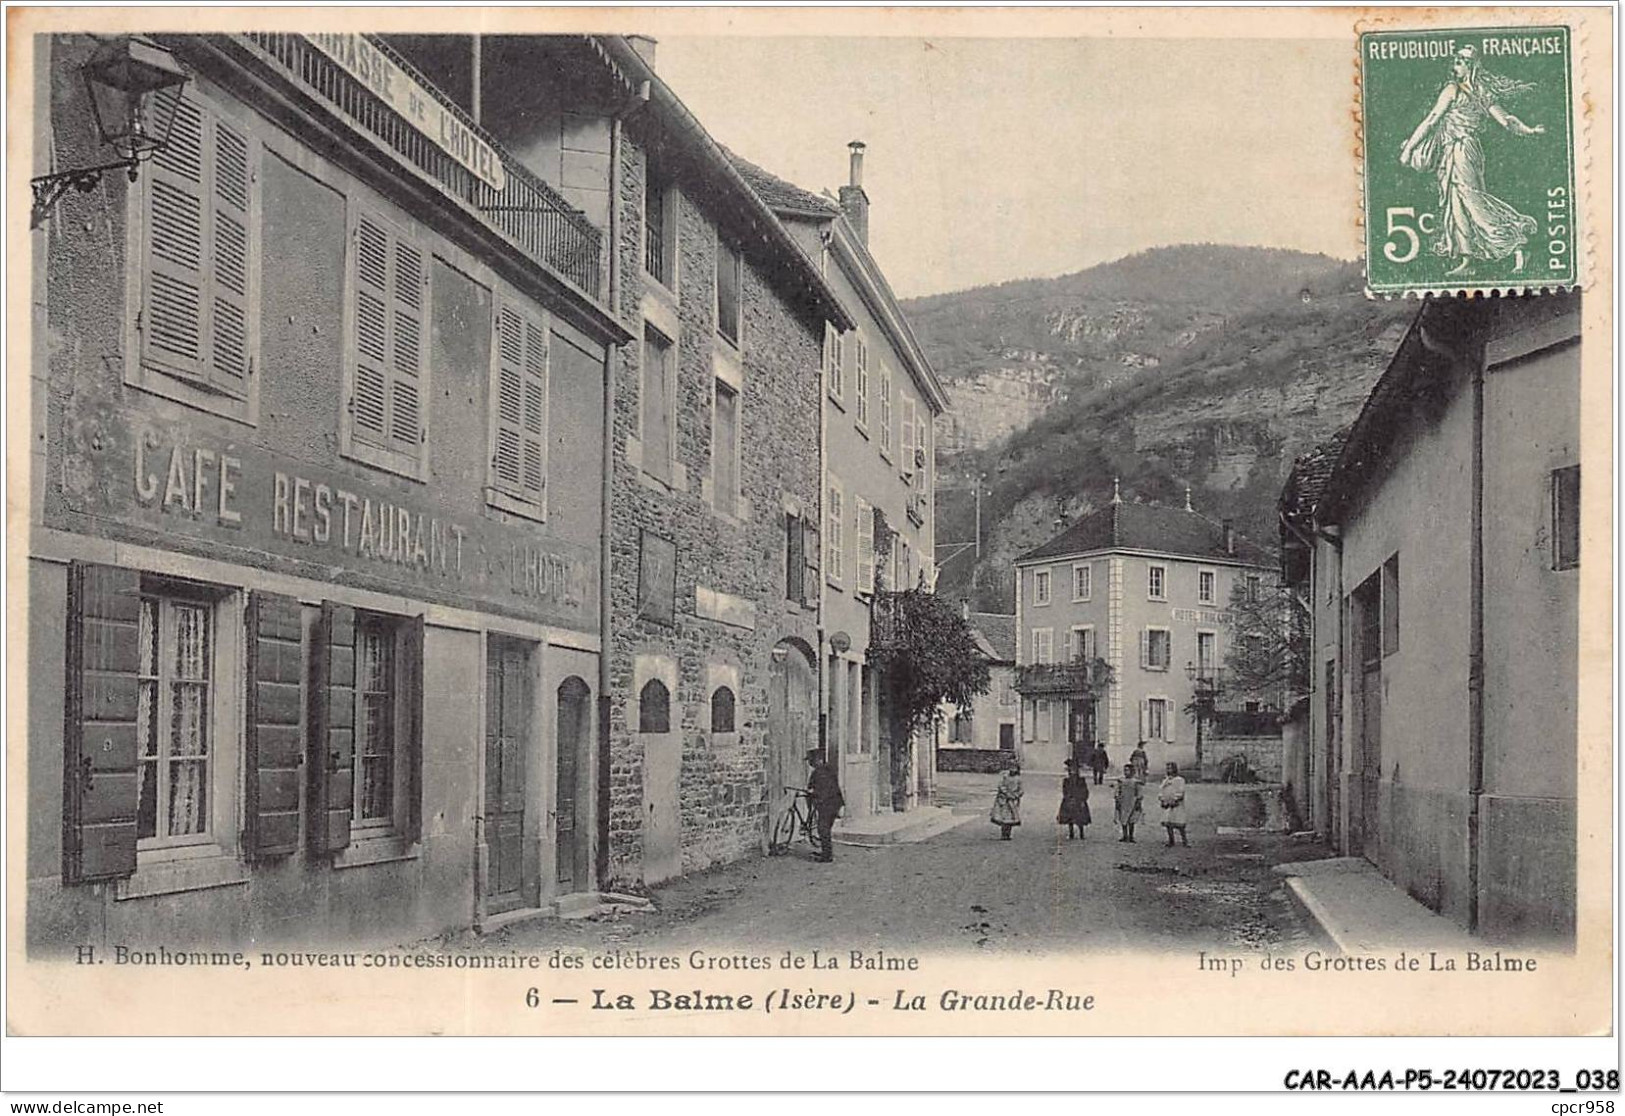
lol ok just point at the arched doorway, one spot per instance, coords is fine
(792, 721)
(570, 814)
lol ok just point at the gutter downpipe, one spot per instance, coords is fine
(825, 682)
(1475, 654)
(607, 489)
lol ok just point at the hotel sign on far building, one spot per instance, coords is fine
(408, 97)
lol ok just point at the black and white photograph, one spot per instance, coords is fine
(532, 523)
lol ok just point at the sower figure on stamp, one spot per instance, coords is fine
(1007, 802)
(824, 791)
(1473, 223)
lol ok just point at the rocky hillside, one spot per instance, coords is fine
(1204, 366)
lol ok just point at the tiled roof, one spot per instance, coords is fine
(1310, 474)
(779, 194)
(999, 630)
(1152, 527)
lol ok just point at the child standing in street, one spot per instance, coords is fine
(1007, 802)
(1171, 797)
(1074, 812)
(1129, 805)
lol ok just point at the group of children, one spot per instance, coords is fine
(1128, 801)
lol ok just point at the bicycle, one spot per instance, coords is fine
(795, 821)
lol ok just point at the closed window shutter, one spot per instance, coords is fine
(1168, 721)
(332, 729)
(795, 562)
(809, 547)
(866, 547)
(519, 452)
(273, 745)
(229, 348)
(101, 785)
(172, 320)
(407, 349)
(908, 435)
(1145, 649)
(412, 681)
(1145, 718)
(369, 403)
(391, 292)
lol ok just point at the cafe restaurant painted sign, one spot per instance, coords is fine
(362, 60)
(242, 503)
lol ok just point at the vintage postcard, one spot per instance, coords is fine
(747, 522)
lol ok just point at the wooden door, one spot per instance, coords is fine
(507, 739)
(792, 728)
(570, 814)
(1368, 829)
(662, 782)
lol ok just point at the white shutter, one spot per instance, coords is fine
(519, 445)
(1145, 649)
(1168, 718)
(866, 546)
(908, 436)
(1145, 718)
(369, 403)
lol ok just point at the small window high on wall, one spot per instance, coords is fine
(654, 707)
(722, 710)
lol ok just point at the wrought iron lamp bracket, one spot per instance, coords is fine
(50, 188)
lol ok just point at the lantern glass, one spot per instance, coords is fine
(135, 90)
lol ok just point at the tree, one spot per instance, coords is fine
(923, 649)
(1269, 652)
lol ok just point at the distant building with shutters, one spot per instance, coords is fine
(314, 555)
(1120, 619)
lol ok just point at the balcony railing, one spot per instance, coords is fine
(1081, 678)
(525, 210)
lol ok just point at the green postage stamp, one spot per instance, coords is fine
(1469, 160)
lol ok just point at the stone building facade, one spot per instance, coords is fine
(313, 555)
(714, 539)
(1440, 554)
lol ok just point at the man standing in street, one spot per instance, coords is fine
(824, 791)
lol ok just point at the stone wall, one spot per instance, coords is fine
(981, 761)
(723, 778)
(1263, 753)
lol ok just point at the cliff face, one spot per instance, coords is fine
(1204, 367)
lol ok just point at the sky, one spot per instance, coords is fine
(996, 159)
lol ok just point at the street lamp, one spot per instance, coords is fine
(135, 92)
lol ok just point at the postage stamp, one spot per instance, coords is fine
(1469, 160)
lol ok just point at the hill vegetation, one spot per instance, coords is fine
(1203, 366)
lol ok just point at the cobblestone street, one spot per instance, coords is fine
(967, 890)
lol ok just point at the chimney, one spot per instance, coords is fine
(645, 46)
(854, 202)
(1230, 538)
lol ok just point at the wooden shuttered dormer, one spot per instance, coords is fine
(519, 422)
(273, 741)
(331, 764)
(101, 755)
(389, 335)
(200, 254)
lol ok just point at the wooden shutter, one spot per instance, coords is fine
(519, 453)
(1168, 721)
(795, 561)
(200, 253)
(391, 295)
(229, 277)
(101, 779)
(411, 680)
(332, 729)
(809, 547)
(172, 319)
(1145, 718)
(908, 435)
(273, 745)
